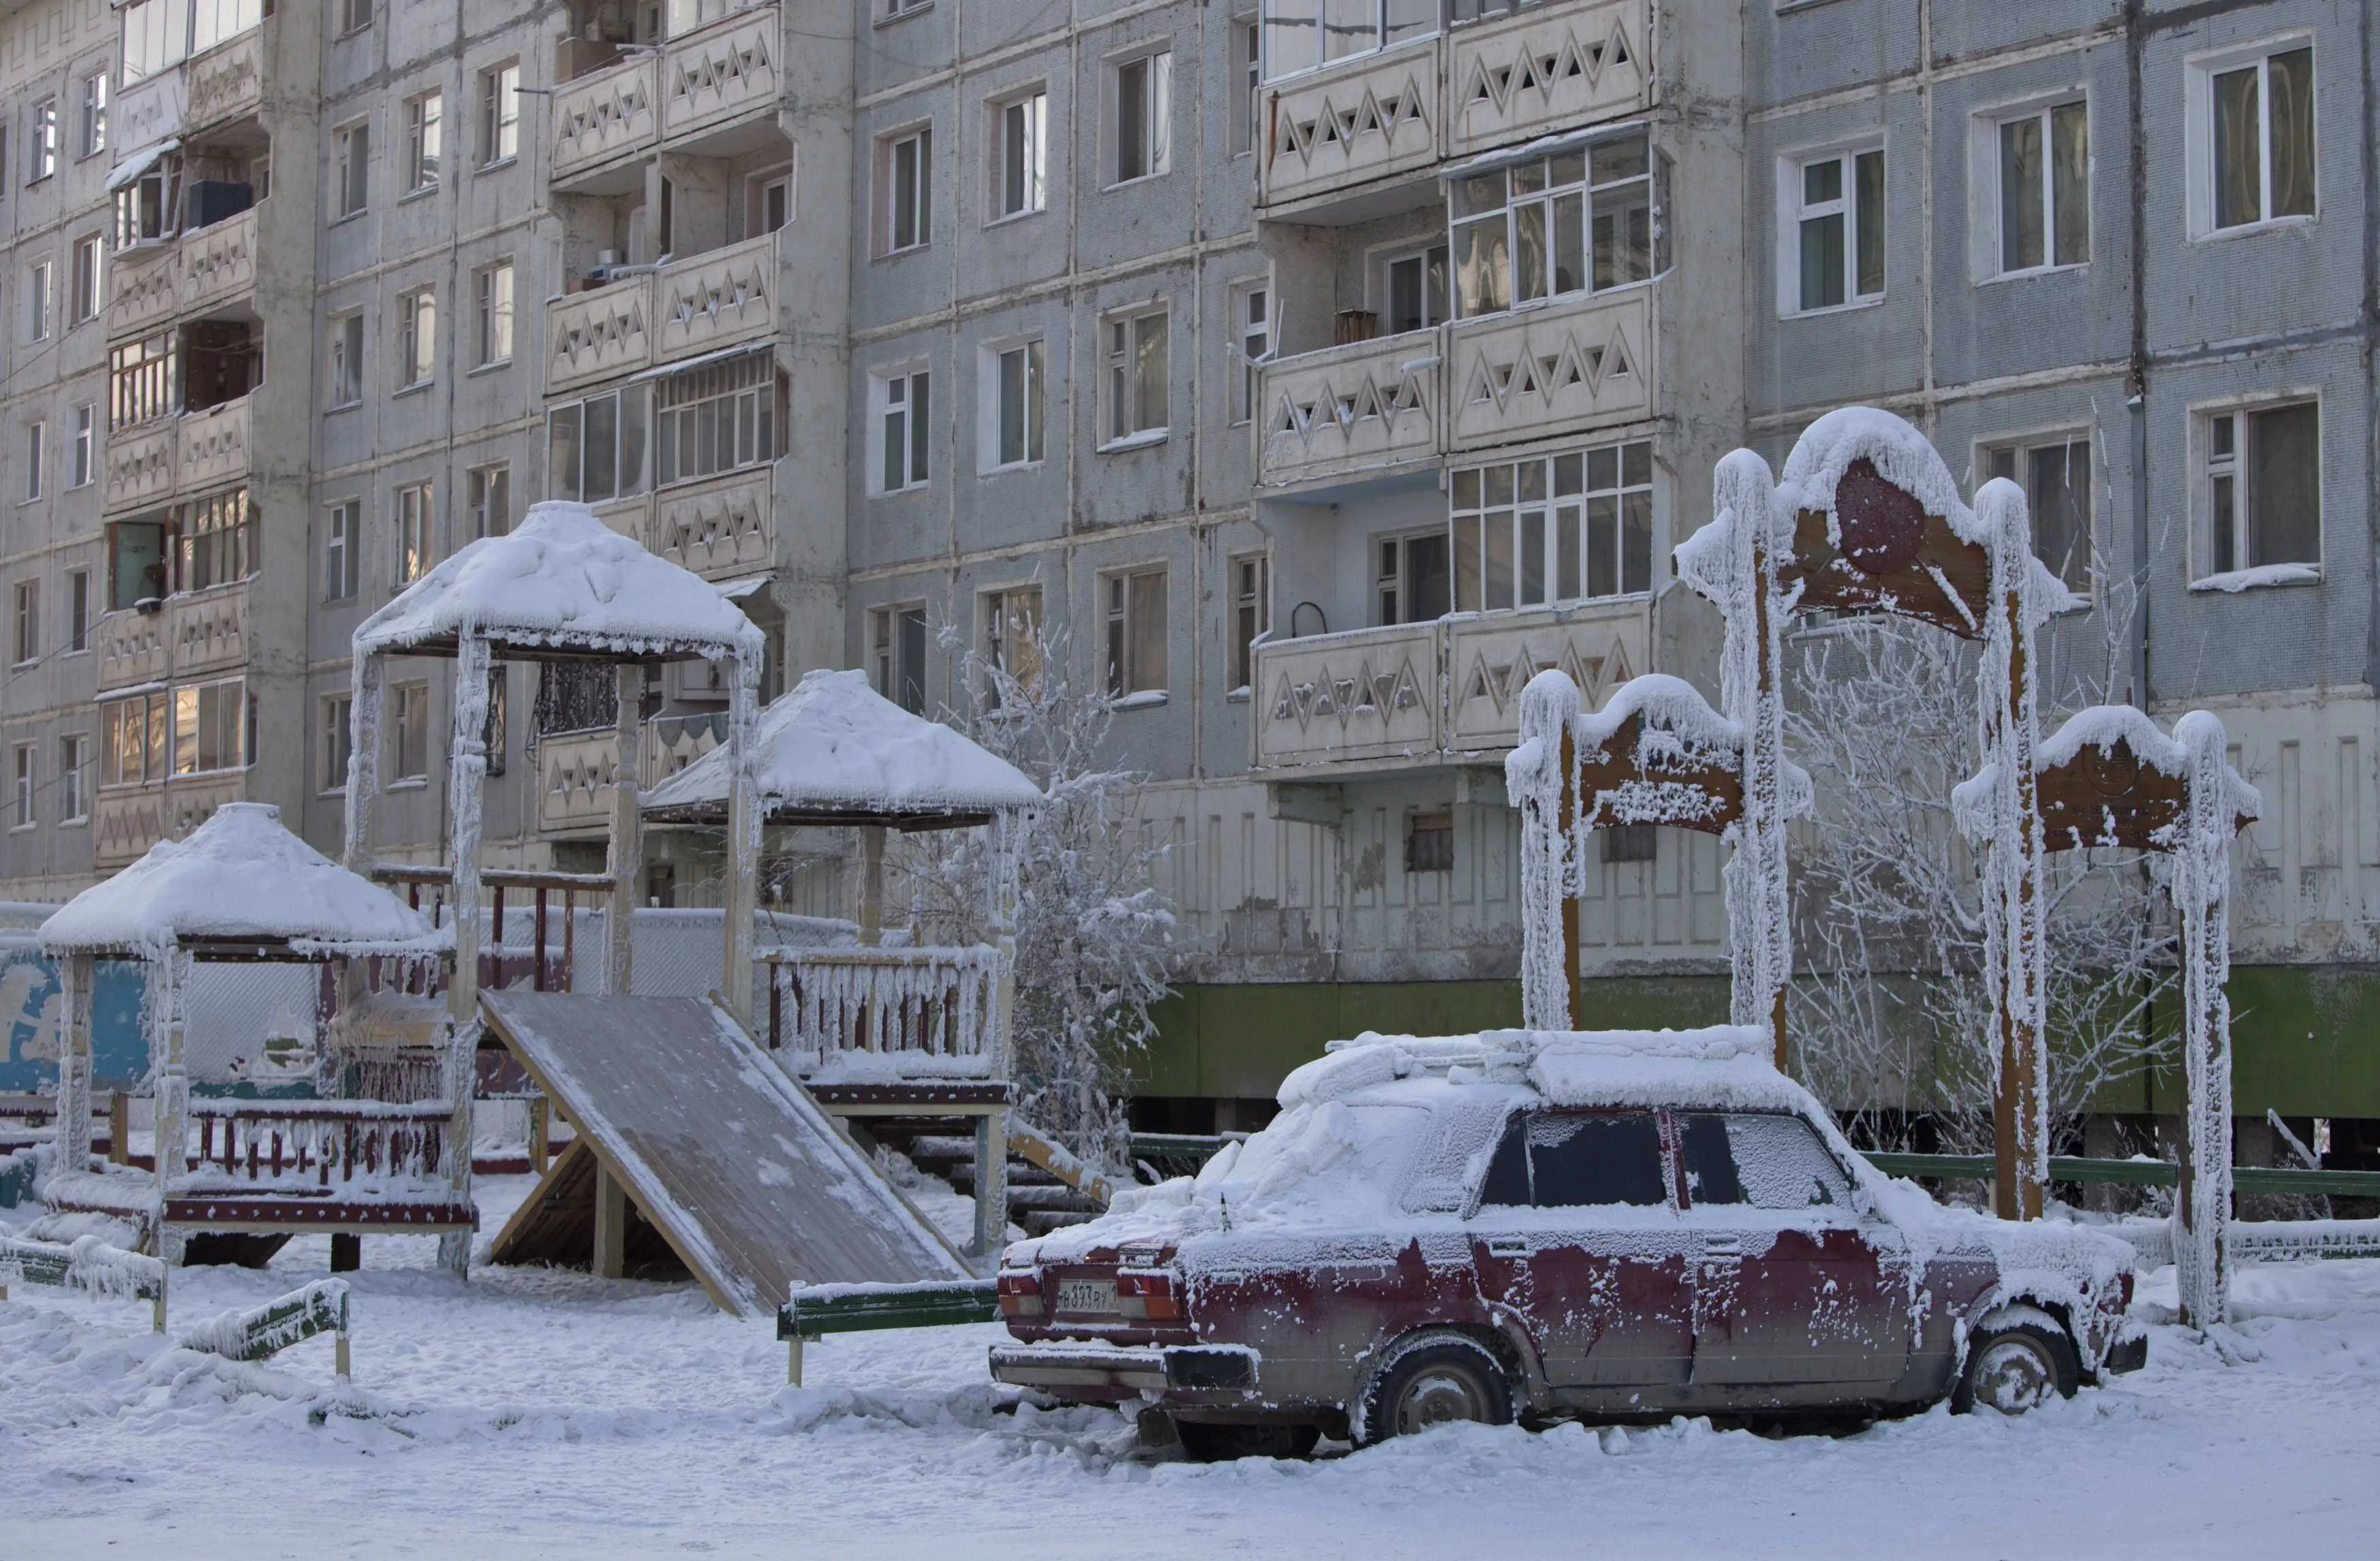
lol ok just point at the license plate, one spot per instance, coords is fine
(1087, 1295)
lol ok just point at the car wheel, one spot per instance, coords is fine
(1205, 1443)
(2016, 1359)
(1434, 1378)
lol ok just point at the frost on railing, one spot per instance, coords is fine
(868, 1014)
(354, 1148)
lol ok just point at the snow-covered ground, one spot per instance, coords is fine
(532, 1413)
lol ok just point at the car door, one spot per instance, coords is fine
(1792, 1286)
(1577, 1233)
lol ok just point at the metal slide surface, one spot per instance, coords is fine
(734, 1162)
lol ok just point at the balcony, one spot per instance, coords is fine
(1342, 132)
(127, 821)
(216, 263)
(715, 75)
(1414, 695)
(599, 334)
(720, 527)
(178, 457)
(191, 634)
(1365, 407)
(226, 82)
(574, 769)
(685, 310)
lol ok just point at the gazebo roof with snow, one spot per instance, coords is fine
(240, 886)
(561, 585)
(835, 751)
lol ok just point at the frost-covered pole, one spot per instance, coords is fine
(467, 773)
(74, 1065)
(743, 834)
(627, 842)
(1541, 777)
(366, 676)
(168, 974)
(2201, 880)
(1007, 827)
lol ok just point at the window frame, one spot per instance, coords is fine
(1012, 647)
(25, 622)
(495, 91)
(1153, 111)
(1389, 258)
(408, 705)
(918, 188)
(25, 768)
(1123, 382)
(86, 279)
(74, 780)
(41, 144)
(91, 119)
(37, 451)
(1541, 204)
(41, 287)
(631, 443)
(338, 742)
(1123, 596)
(2021, 448)
(1034, 170)
(1247, 577)
(351, 169)
(492, 318)
(2206, 468)
(1270, 67)
(1392, 586)
(342, 541)
(242, 734)
(344, 352)
(1988, 168)
(79, 613)
(889, 643)
(354, 17)
(2199, 135)
(1794, 211)
(1246, 332)
(916, 437)
(1247, 112)
(425, 138)
(1032, 353)
(413, 528)
(417, 337)
(487, 499)
(1550, 508)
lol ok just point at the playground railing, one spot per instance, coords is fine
(318, 1147)
(889, 1012)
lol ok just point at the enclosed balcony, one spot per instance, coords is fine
(155, 463)
(619, 97)
(667, 314)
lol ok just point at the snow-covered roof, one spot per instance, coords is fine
(1718, 1065)
(238, 875)
(562, 581)
(835, 746)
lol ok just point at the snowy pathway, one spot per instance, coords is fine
(545, 1414)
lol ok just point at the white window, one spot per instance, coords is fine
(82, 292)
(768, 202)
(354, 15)
(1247, 70)
(408, 731)
(595, 449)
(36, 438)
(905, 177)
(1021, 173)
(1413, 288)
(37, 301)
(341, 550)
(133, 745)
(1561, 528)
(721, 417)
(1573, 221)
(20, 806)
(1015, 395)
(351, 168)
(2252, 132)
(210, 727)
(82, 466)
(417, 336)
(95, 115)
(2043, 162)
(1012, 625)
(1133, 613)
(216, 543)
(1142, 100)
(74, 782)
(499, 113)
(27, 637)
(416, 544)
(2262, 487)
(1410, 581)
(338, 739)
(1251, 576)
(44, 145)
(1834, 231)
(491, 332)
(895, 10)
(897, 641)
(1252, 331)
(1305, 34)
(488, 496)
(2055, 472)
(903, 429)
(346, 361)
(1136, 381)
(77, 610)
(423, 134)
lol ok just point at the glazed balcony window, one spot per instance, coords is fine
(1308, 34)
(717, 418)
(1564, 528)
(160, 35)
(1586, 219)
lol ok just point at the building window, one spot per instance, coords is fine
(95, 115)
(416, 544)
(1416, 290)
(595, 449)
(895, 10)
(1012, 625)
(347, 365)
(81, 447)
(77, 610)
(1572, 222)
(417, 337)
(1409, 583)
(499, 113)
(721, 417)
(1143, 106)
(1136, 379)
(26, 640)
(2262, 164)
(1554, 528)
(408, 731)
(424, 130)
(1835, 246)
(2045, 188)
(897, 646)
(132, 740)
(218, 541)
(1252, 325)
(1133, 609)
(906, 174)
(903, 429)
(1251, 575)
(354, 14)
(1022, 176)
(44, 147)
(1629, 842)
(341, 550)
(36, 447)
(37, 301)
(20, 807)
(1306, 34)
(82, 295)
(491, 332)
(338, 739)
(135, 552)
(74, 780)
(768, 202)
(2055, 473)
(351, 168)
(487, 496)
(142, 379)
(1016, 395)
(2263, 493)
(210, 727)
(1247, 67)
(1429, 841)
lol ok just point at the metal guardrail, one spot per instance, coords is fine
(2137, 1173)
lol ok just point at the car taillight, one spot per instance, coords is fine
(1148, 1294)
(1020, 1295)
(2124, 1290)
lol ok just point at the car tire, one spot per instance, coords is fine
(1203, 1441)
(2017, 1357)
(1432, 1378)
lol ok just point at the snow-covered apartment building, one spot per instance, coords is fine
(1322, 367)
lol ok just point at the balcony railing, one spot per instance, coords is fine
(685, 310)
(574, 769)
(192, 632)
(719, 528)
(127, 821)
(177, 457)
(711, 77)
(1361, 408)
(1484, 86)
(599, 334)
(216, 263)
(876, 1016)
(225, 82)
(1429, 692)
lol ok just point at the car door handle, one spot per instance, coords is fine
(1726, 1246)
(1507, 1247)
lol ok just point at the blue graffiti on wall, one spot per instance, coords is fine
(32, 1006)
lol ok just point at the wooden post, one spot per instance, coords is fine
(1566, 823)
(2020, 1161)
(1765, 815)
(744, 822)
(610, 1259)
(872, 885)
(172, 1095)
(991, 1183)
(537, 964)
(627, 839)
(75, 1065)
(793, 1361)
(467, 775)
(363, 763)
(119, 1128)
(341, 1364)
(540, 1114)
(347, 1251)
(992, 1130)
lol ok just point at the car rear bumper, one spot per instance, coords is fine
(1183, 1375)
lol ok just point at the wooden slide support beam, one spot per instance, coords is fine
(1054, 1158)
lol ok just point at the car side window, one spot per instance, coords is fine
(1768, 1160)
(1554, 1161)
(1507, 1173)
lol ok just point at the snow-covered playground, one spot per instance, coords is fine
(545, 1413)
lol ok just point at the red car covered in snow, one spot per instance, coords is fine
(1531, 1225)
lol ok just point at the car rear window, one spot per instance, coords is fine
(1561, 1161)
(1763, 1159)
